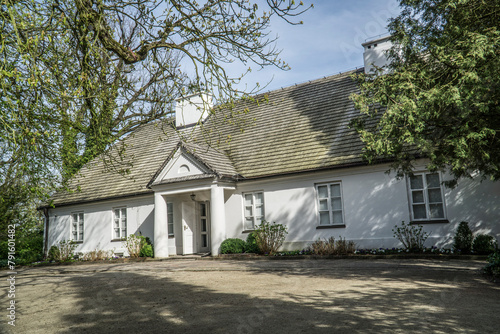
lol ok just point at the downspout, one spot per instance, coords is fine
(46, 232)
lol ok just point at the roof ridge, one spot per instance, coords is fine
(302, 83)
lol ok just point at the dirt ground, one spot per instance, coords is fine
(256, 296)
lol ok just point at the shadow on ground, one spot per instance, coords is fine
(253, 299)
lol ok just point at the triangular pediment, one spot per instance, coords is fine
(182, 165)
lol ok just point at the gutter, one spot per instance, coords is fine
(48, 206)
(46, 232)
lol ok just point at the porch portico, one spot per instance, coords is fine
(189, 217)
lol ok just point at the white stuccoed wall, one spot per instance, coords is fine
(98, 226)
(373, 203)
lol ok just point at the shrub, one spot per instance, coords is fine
(62, 252)
(53, 254)
(146, 251)
(463, 238)
(270, 236)
(331, 247)
(134, 244)
(66, 250)
(343, 246)
(324, 247)
(411, 236)
(97, 255)
(493, 266)
(232, 246)
(484, 244)
(30, 246)
(251, 244)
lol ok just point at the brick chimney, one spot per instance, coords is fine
(191, 109)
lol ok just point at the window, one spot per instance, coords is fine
(183, 169)
(330, 204)
(254, 209)
(170, 219)
(119, 223)
(77, 226)
(426, 197)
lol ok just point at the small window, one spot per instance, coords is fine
(183, 169)
(330, 205)
(170, 219)
(77, 225)
(426, 197)
(119, 223)
(253, 205)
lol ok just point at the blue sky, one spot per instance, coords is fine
(328, 42)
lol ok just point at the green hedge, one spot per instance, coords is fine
(232, 246)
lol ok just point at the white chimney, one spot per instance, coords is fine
(375, 53)
(192, 109)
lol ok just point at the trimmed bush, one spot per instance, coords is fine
(251, 244)
(232, 246)
(484, 244)
(270, 236)
(411, 236)
(463, 239)
(146, 251)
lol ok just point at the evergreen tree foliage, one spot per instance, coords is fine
(440, 97)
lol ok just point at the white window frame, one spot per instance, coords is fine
(122, 220)
(256, 220)
(80, 220)
(427, 203)
(328, 199)
(170, 219)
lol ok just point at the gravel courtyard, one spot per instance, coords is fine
(256, 296)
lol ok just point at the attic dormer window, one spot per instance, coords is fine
(183, 169)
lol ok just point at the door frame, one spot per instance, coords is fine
(200, 232)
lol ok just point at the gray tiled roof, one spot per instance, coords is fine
(299, 128)
(144, 152)
(215, 159)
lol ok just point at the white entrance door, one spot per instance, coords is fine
(203, 227)
(188, 221)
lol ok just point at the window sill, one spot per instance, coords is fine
(247, 231)
(77, 241)
(116, 240)
(171, 236)
(320, 227)
(437, 221)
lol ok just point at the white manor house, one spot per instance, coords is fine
(292, 159)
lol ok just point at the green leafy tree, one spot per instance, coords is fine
(76, 76)
(439, 99)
